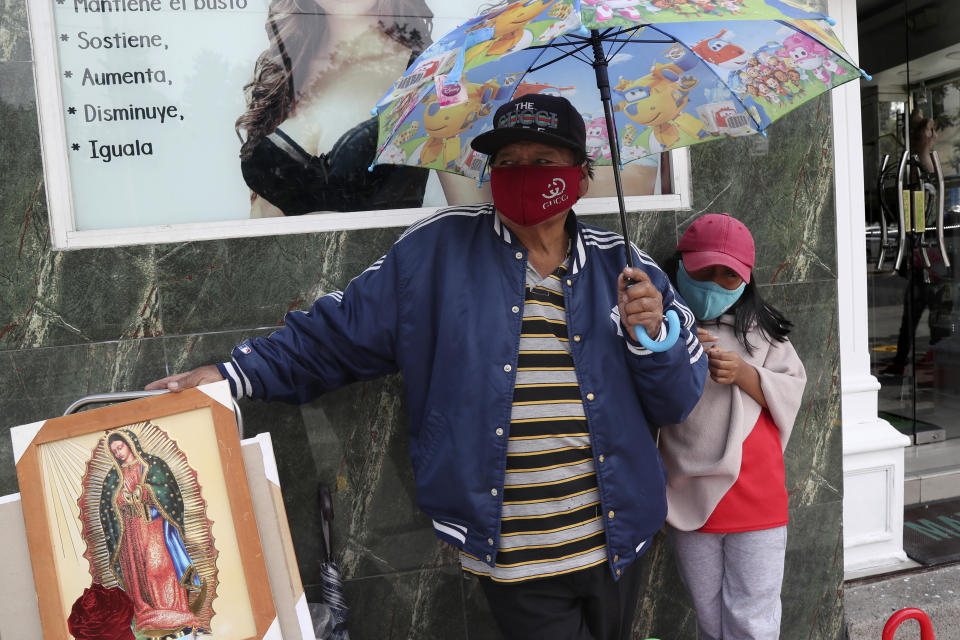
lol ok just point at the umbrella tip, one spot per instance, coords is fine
(763, 133)
(866, 76)
(373, 111)
(370, 168)
(830, 21)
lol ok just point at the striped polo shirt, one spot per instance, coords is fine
(551, 521)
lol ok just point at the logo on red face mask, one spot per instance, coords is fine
(555, 193)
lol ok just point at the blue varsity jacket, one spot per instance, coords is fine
(445, 306)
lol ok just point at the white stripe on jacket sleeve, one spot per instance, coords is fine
(450, 530)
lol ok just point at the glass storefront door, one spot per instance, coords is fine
(911, 122)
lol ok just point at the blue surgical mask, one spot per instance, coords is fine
(706, 299)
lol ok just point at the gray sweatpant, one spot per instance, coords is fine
(734, 580)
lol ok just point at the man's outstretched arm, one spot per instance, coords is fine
(187, 380)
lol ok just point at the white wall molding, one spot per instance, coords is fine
(872, 449)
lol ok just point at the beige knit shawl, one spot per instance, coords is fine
(702, 454)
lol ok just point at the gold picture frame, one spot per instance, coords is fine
(105, 489)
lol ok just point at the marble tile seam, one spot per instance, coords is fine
(128, 340)
(764, 285)
(216, 332)
(395, 574)
(73, 345)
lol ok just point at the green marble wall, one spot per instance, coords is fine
(80, 322)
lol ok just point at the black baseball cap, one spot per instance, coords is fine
(535, 117)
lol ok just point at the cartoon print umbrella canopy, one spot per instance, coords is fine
(680, 72)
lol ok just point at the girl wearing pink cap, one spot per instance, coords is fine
(727, 501)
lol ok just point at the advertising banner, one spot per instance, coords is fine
(160, 113)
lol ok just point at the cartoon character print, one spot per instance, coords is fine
(804, 52)
(699, 8)
(626, 8)
(722, 117)
(598, 143)
(426, 69)
(407, 133)
(767, 93)
(508, 26)
(686, 9)
(720, 52)
(569, 20)
(471, 162)
(820, 31)
(554, 30)
(732, 6)
(791, 9)
(770, 78)
(392, 154)
(794, 82)
(399, 110)
(628, 154)
(658, 100)
(708, 7)
(443, 125)
(777, 88)
(630, 151)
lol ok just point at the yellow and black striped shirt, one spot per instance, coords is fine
(551, 521)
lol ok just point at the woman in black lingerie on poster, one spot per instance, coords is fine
(307, 134)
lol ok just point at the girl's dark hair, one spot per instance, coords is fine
(748, 309)
(296, 30)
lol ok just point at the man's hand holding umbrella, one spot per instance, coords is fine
(641, 304)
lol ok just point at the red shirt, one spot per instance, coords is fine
(758, 498)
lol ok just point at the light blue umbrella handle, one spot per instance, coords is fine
(673, 332)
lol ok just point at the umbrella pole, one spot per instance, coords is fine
(603, 84)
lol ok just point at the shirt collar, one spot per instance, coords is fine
(578, 253)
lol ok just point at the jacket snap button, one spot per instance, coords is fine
(618, 572)
(519, 255)
(616, 558)
(507, 368)
(601, 458)
(515, 309)
(609, 514)
(499, 431)
(590, 396)
(576, 338)
(490, 541)
(569, 282)
(493, 492)
(489, 557)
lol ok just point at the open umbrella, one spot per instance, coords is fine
(647, 75)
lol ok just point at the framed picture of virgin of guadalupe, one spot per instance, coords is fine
(146, 501)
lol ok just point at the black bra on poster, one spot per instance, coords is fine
(297, 182)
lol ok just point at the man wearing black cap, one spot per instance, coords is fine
(530, 402)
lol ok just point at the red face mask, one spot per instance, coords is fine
(528, 195)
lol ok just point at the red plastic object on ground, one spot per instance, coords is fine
(910, 613)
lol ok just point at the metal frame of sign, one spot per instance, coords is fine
(61, 206)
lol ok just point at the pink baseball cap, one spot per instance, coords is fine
(717, 238)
